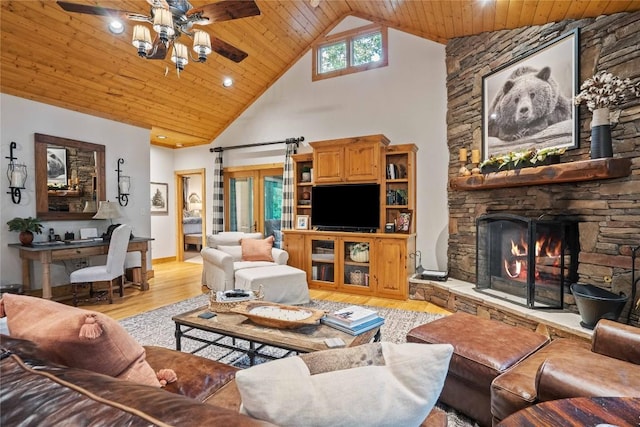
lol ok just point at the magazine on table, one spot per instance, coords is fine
(352, 316)
(356, 330)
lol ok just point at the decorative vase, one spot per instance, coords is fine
(601, 134)
(26, 237)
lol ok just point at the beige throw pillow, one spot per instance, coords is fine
(78, 338)
(257, 249)
(379, 384)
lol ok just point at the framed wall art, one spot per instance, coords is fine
(403, 221)
(159, 198)
(529, 102)
(302, 222)
(57, 166)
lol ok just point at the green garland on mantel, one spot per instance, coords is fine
(522, 159)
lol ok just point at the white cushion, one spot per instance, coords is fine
(230, 238)
(234, 251)
(240, 265)
(280, 283)
(400, 391)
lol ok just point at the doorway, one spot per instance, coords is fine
(190, 217)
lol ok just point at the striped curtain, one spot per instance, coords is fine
(287, 189)
(218, 195)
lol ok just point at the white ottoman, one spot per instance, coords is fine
(280, 283)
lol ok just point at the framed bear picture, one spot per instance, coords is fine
(529, 102)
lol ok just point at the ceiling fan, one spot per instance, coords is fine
(174, 18)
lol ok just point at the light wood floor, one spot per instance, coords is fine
(177, 281)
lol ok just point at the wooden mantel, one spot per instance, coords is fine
(584, 170)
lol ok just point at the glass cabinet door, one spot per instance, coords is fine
(323, 251)
(356, 263)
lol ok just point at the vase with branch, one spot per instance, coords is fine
(600, 93)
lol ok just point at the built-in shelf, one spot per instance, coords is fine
(584, 170)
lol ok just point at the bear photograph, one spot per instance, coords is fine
(528, 103)
(56, 166)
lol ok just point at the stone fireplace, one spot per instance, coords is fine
(606, 209)
(528, 261)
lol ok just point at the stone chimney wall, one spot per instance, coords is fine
(608, 210)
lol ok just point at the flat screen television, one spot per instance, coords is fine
(347, 207)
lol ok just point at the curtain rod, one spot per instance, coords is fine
(296, 141)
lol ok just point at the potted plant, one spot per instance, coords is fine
(26, 227)
(306, 174)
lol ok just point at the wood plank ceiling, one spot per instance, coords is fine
(72, 61)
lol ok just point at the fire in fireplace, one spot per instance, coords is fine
(526, 261)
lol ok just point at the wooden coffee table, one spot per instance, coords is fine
(236, 326)
(579, 411)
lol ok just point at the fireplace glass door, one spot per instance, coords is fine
(526, 261)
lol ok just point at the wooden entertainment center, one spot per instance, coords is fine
(377, 263)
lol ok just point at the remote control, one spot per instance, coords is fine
(207, 315)
(236, 294)
(334, 342)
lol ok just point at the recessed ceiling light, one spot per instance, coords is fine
(178, 145)
(116, 26)
(227, 82)
(161, 137)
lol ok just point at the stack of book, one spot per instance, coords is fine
(353, 320)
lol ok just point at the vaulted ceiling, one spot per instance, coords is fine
(72, 61)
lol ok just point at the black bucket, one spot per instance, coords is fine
(595, 303)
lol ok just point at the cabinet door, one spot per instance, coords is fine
(328, 164)
(356, 265)
(294, 245)
(361, 162)
(324, 268)
(391, 268)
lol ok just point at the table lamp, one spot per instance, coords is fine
(107, 210)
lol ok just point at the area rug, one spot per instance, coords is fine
(155, 327)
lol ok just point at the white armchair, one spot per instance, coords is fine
(222, 257)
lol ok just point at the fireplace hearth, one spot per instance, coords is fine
(528, 261)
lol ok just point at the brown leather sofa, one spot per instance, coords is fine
(568, 368)
(36, 392)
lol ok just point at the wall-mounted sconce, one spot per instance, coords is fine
(17, 174)
(124, 185)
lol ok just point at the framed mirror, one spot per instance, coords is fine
(70, 178)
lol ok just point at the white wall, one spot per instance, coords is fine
(406, 101)
(163, 227)
(19, 121)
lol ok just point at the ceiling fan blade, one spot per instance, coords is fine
(159, 50)
(102, 11)
(225, 10)
(228, 51)
(158, 3)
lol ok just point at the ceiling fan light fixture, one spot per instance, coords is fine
(179, 55)
(116, 26)
(202, 45)
(141, 39)
(163, 24)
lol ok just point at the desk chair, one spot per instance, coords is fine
(113, 269)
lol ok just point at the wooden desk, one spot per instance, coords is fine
(46, 253)
(579, 411)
